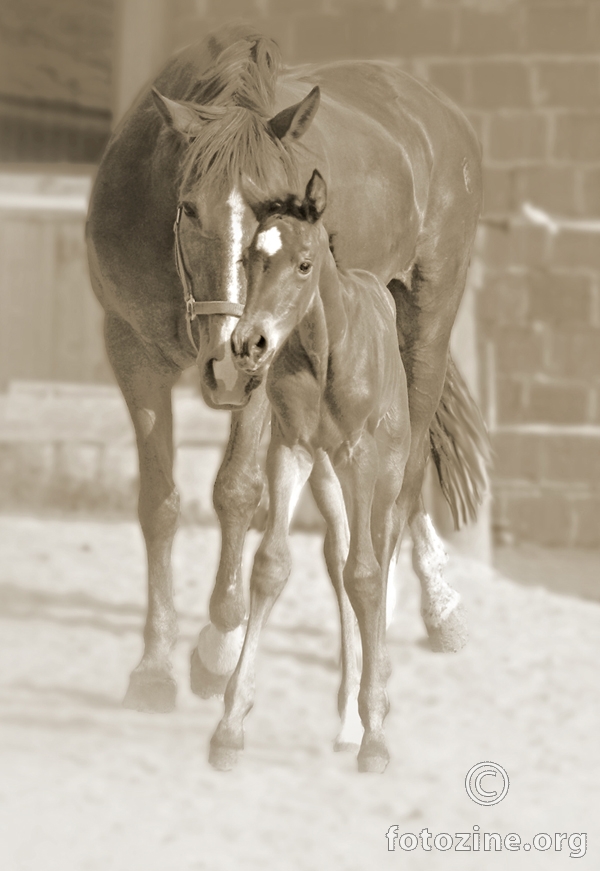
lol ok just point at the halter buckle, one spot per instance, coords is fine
(189, 307)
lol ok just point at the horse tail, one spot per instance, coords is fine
(460, 448)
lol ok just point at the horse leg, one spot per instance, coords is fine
(328, 496)
(288, 469)
(441, 606)
(237, 492)
(365, 584)
(146, 381)
(425, 314)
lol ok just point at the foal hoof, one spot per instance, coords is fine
(373, 757)
(223, 758)
(205, 683)
(151, 690)
(225, 749)
(452, 633)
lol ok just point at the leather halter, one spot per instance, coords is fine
(195, 307)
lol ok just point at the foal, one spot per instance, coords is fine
(327, 342)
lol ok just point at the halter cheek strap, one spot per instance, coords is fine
(195, 307)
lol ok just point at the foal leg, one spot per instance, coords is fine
(237, 492)
(328, 495)
(365, 584)
(441, 606)
(288, 469)
(146, 381)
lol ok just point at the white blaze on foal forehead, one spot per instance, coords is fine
(235, 240)
(269, 241)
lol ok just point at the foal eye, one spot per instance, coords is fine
(305, 267)
(189, 210)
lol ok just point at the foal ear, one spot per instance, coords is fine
(253, 195)
(293, 122)
(315, 198)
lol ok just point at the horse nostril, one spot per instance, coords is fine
(261, 343)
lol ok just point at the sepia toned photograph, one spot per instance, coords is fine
(299, 434)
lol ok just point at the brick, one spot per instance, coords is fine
(518, 136)
(451, 78)
(591, 192)
(503, 300)
(405, 33)
(321, 38)
(293, 9)
(545, 518)
(587, 522)
(498, 84)
(553, 188)
(488, 31)
(519, 350)
(569, 84)
(559, 28)
(571, 459)
(517, 456)
(424, 31)
(498, 190)
(576, 353)
(529, 245)
(578, 136)
(558, 403)
(561, 298)
(572, 248)
(510, 401)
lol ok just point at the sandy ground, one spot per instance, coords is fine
(85, 784)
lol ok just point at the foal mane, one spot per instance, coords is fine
(235, 98)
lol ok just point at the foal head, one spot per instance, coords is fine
(283, 264)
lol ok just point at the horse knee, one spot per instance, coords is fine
(159, 520)
(237, 492)
(363, 583)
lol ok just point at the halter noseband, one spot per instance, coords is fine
(195, 307)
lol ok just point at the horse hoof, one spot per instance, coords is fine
(151, 690)
(345, 746)
(373, 756)
(205, 683)
(372, 764)
(452, 633)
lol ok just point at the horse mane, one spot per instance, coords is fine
(235, 98)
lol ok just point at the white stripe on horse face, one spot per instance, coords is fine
(234, 254)
(269, 241)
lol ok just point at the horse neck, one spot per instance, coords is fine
(324, 324)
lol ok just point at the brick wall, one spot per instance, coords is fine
(527, 73)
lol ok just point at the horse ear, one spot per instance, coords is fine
(293, 122)
(315, 198)
(253, 195)
(177, 116)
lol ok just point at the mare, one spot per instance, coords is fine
(402, 167)
(326, 342)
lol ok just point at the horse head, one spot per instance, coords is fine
(216, 223)
(283, 264)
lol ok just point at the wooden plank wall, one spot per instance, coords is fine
(50, 321)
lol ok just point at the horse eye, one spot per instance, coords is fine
(189, 210)
(305, 267)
